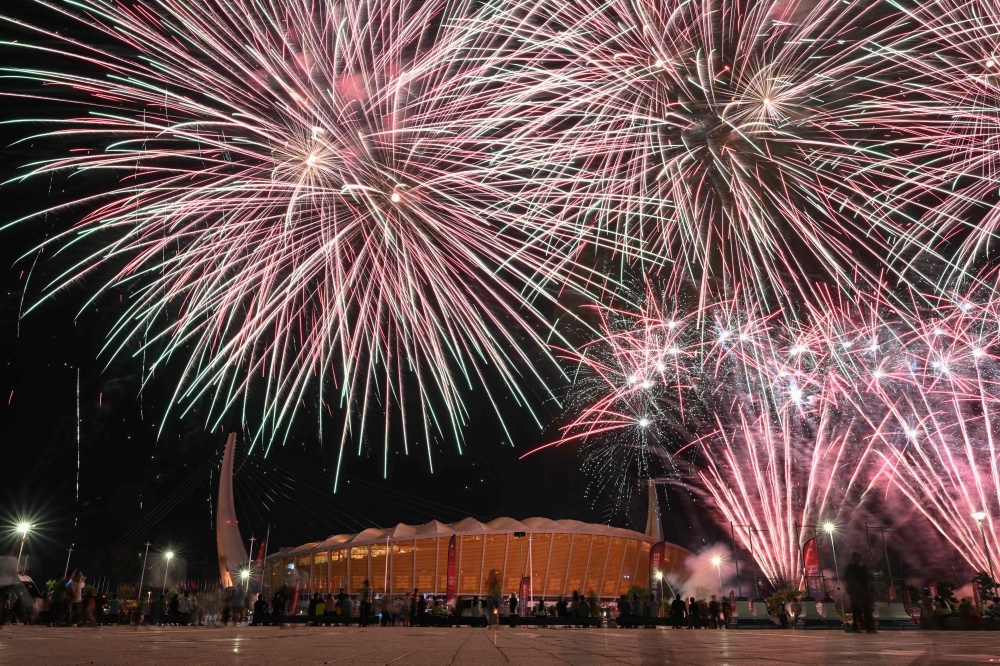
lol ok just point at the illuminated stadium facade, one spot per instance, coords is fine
(562, 556)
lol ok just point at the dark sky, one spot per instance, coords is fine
(135, 486)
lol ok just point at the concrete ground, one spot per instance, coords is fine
(351, 646)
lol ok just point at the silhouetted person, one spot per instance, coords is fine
(365, 603)
(259, 609)
(857, 579)
(677, 611)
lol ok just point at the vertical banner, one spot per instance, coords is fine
(656, 554)
(452, 589)
(810, 560)
(932, 588)
(525, 592)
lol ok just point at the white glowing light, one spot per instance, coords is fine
(660, 367)
(744, 337)
(674, 350)
(979, 515)
(643, 422)
(647, 384)
(671, 324)
(633, 379)
(877, 374)
(716, 560)
(24, 528)
(829, 528)
(723, 335)
(395, 197)
(848, 344)
(659, 63)
(311, 160)
(990, 63)
(796, 395)
(977, 352)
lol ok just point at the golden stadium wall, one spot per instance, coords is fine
(561, 555)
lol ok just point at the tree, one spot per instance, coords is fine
(946, 590)
(986, 584)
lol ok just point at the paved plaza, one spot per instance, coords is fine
(264, 646)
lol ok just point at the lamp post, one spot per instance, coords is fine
(829, 529)
(23, 529)
(168, 556)
(717, 561)
(980, 516)
(142, 577)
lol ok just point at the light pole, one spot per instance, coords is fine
(142, 577)
(980, 516)
(717, 561)
(23, 529)
(829, 529)
(168, 556)
(69, 552)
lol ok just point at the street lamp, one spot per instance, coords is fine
(22, 529)
(980, 516)
(717, 561)
(245, 577)
(829, 528)
(169, 556)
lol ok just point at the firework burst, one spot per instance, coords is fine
(297, 213)
(750, 143)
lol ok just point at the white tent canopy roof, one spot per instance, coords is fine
(466, 526)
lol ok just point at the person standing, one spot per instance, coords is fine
(692, 613)
(713, 613)
(422, 611)
(512, 604)
(727, 611)
(927, 611)
(413, 608)
(365, 603)
(114, 609)
(783, 615)
(624, 609)
(857, 579)
(677, 610)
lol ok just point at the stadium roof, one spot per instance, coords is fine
(466, 526)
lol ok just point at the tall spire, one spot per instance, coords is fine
(653, 528)
(232, 555)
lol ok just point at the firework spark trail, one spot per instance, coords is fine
(297, 199)
(954, 49)
(797, 421)
(752, 143)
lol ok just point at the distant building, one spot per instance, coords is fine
(560, 556)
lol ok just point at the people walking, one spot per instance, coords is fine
(857, 579)
(727, 610)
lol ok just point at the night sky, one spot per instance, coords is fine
(135, 485)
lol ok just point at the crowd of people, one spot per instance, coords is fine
(70, 602)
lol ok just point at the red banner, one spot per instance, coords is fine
(452, 589)
(656, 554)
(810, 560)
(526, 595)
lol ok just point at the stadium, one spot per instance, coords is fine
(556, 556)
